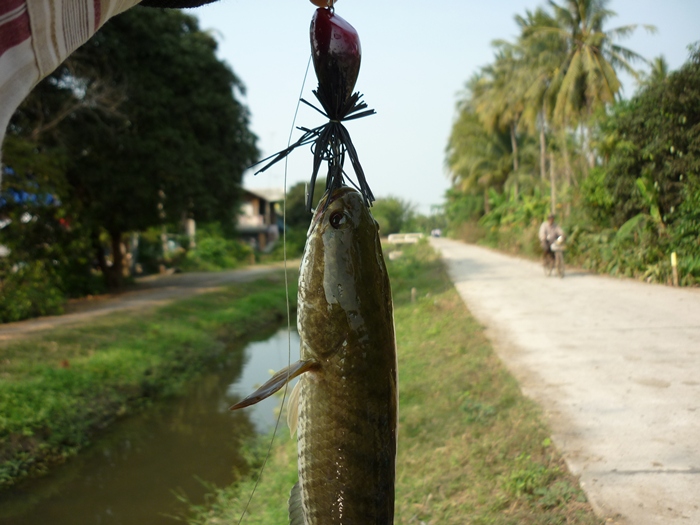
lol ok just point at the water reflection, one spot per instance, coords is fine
(264, 357)
(130, 475)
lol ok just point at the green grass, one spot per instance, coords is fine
(58, 388)
(472, 449)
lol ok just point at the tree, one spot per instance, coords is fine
(50, 255)
(540, 60)
(392, 214)
(587, 77)
(498, 95)
(297, 216)
(548, 84)
(653, 146)
(574, 67)
(658, 73)
(179, 142)
(476, 158)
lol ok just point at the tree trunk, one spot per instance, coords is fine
(565, 153)
(99, 253)
(590, 155)
(514, 145)
(487, 206)
(585, 146)
(115, 276)
(552, 183)
(134, 253)
(543, 150)
(164, 241)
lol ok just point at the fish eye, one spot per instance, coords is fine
(337, 219)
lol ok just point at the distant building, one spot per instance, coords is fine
(260, 217)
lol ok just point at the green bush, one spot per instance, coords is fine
(214, 251)
(150, 255)
(462, 207)
(529, 477)
(296, 240)
(29, 290)
(642, 246)
(513, 222)
(686, 235)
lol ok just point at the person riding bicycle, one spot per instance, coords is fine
(549, 233)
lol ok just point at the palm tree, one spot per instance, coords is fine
(477, 158)
(498, 97)
(658, 73)
(542, 54)
(577, 73)
(587, 77)
(561, 69)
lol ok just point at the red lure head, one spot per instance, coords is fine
(336, 53)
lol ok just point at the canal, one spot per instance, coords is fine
(135, 472)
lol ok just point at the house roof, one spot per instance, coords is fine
(268, 194)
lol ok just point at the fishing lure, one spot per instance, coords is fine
(336, 55)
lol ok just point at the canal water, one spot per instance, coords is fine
(134, 473)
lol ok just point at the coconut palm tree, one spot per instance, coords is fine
(658, 73)
(541, 57)
(587, 76)
(477, 159)
(498, 97)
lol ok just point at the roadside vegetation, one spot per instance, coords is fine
(58, 388)
(544, 128)
(472, 449)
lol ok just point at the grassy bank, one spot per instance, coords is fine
(58, 388)
(472, 449)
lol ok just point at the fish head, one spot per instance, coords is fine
(340, 215)
(343, 280)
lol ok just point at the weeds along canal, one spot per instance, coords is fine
(136, 471)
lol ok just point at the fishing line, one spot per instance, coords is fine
(286, 290)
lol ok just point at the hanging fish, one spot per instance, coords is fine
(345, 403)
(336, 55)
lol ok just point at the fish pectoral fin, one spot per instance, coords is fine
(293, 409)
(277, 381)
(296, 512)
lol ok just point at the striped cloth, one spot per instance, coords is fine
(37, 35)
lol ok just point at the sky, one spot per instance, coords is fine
(416, 58)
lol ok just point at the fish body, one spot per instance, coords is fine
(345, 403)
(348, 401)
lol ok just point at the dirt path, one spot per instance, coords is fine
(150, 292)
(615, 365)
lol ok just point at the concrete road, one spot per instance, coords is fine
(149, 292)
(615, 365)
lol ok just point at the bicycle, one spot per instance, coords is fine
(555, 260)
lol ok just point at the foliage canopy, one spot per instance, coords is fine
(140, 128)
